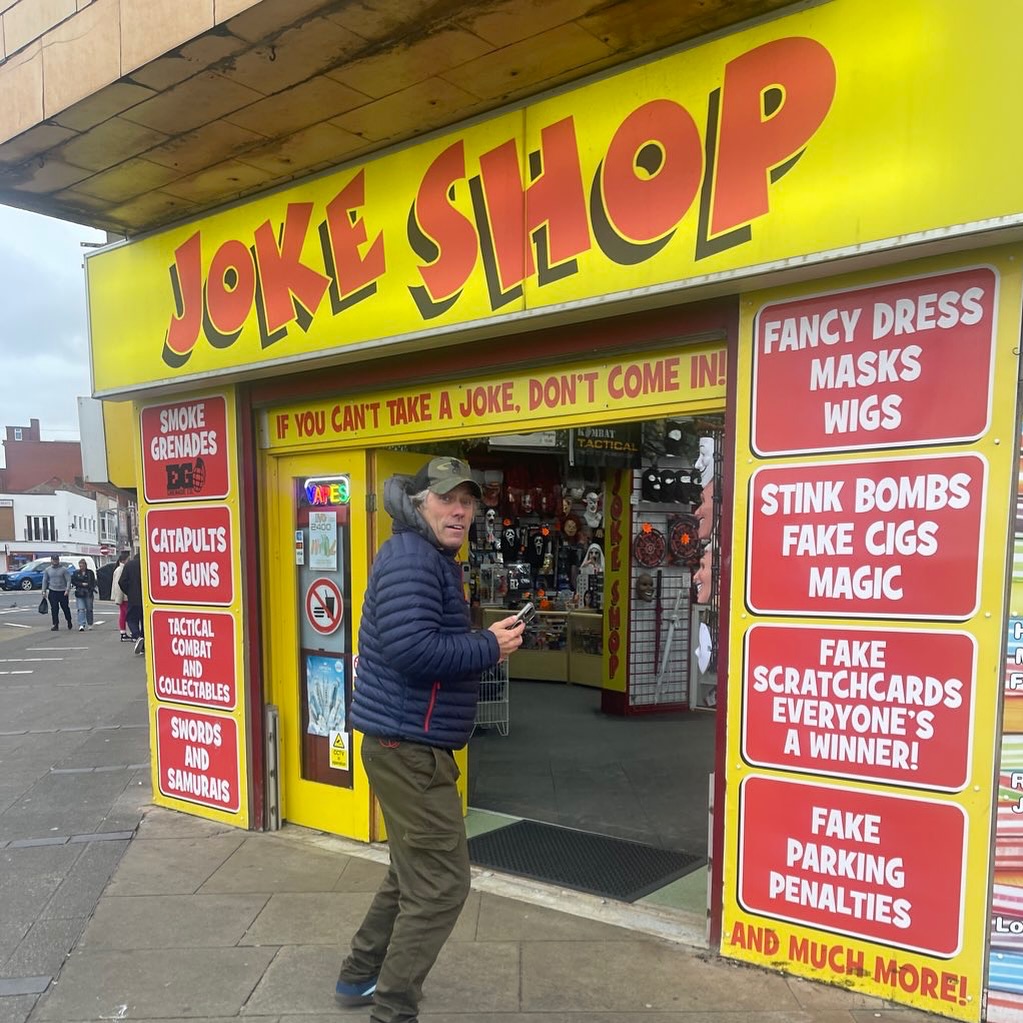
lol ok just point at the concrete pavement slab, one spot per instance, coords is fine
(825, 996)
(629, 976)
(28, 879)
(64, 804)
(172, 866)
(306, 918)
(100, 748)
(16, 1008)
(162, 823)
(503, 919)
(167, 921)
(44, 948)
(85, 880)
(154, 984)
(267, 863)
(360, 875)
(484, 977)
(301, 980)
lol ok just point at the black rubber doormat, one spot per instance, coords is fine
(612, 867)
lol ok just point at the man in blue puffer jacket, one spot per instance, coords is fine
(415, 700)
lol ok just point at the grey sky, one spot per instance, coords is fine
(44, 358)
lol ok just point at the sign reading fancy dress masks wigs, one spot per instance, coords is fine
(896, 364)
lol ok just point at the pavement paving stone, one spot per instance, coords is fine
(299, 981)
(172, 866)
(154, 984)
(64, 804)
(635, 975)
(44, 948)
(160, 822)
(502, 919)
(123, 746)
(307, 918)
(485, 977)
(16, 1008)
(172, 921)
(85, 880)
(265, 863)
(28, 880)
(644, 1016)
(360, 875)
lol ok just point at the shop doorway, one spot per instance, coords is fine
(556, 741)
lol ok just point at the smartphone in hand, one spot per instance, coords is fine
(525, 614)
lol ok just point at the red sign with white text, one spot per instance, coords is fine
(188, 555)
(886, 538)
(184, 450)
(886, 705)
(882, 867)
(197, 757)
(902, 363)
(193, 658)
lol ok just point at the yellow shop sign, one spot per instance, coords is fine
(751, 149)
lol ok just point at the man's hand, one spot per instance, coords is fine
(509, 636)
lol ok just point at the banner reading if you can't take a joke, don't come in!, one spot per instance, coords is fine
(876, 458)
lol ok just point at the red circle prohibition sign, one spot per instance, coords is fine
(324, 606)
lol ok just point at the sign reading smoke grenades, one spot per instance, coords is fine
(197, 757)
(906, 362)
(886, 538)
(189, 555)
(184, 450)
(885, 705)
(194, 657)
(882, 867)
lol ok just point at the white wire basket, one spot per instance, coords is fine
(492, 706)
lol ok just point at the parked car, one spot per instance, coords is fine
(31, 576)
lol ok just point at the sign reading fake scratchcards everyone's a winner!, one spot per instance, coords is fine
(866, 606)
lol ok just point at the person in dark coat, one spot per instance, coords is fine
(130, 582)
(416, 689)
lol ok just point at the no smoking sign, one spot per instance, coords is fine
(324, 606)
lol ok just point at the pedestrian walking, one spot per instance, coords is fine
(419, 671)
(131, 582)
(119, 597)
(84, 583)
(56, 580)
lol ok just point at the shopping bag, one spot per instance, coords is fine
(44, 606)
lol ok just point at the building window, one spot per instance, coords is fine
(17, 433)
(41, 527)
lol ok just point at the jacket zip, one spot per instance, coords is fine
(432, 704)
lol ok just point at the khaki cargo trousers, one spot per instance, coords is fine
(417, 905)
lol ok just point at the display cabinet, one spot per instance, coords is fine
(586, 648)
(544, 651)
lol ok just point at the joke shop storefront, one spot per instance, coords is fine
(735, 359)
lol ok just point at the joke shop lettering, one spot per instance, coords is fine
(471, 213)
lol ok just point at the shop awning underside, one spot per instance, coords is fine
(289, 87)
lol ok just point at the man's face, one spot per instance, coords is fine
(55, 562)
(450, 515)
